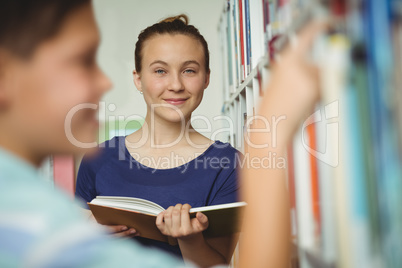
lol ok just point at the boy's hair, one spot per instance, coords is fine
(172, 25)
(24, 24)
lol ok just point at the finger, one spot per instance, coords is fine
(308, 34)
(167, 217)
(116, 228)
(128, 236)
(159, 221)
(185, 217)
(134, 235)
(176, 216)
(200, 222)
(128, 233)
(203, 219)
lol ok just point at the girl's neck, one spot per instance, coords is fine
(163, 133)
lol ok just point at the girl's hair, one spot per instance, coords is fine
(26, 23)
(172, 25)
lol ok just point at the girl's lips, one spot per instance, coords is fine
(175, 101)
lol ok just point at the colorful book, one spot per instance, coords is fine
(236, 35)
(242, 40)
(230, 54)
(292, 189)
(315, 196)
(305, 218)
(247, 36)
(266, 23)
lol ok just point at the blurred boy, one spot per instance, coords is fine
(47, 67)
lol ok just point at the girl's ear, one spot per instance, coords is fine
(207, 77)
(137, 80)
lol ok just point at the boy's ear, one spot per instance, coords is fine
(137, 80)
(3, 88)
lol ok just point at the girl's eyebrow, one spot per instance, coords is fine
(190, 62)
(184, 63)
(158, 62)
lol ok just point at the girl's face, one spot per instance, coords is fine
(173, 76)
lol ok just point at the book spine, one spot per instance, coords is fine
(243, 67)
(334, 79)
(266, 24)
(292, 190)
(315, 196)
(305, 219)
(359, 218)
(225, 60)
(327, 146)
(230, 48)
(397, 44)
(248, 36)
(256, 32)
(367, 157)
(387, 158)
(235, 29)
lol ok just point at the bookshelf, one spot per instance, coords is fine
(344, 164)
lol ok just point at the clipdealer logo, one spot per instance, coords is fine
(327, 123)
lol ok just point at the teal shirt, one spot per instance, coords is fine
(41, 227)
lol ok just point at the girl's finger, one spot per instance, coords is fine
(167, 217)
(185, 217)
(176, 216)
(116, 228)
(129, 232)
(159, 221)
(200, 222)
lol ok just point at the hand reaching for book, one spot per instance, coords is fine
(294, 87)
(176, 222)
(292, 93)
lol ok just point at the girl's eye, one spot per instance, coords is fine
(160, 71)
(189, 71)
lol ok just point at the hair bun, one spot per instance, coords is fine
(181, 17)
(173, 25)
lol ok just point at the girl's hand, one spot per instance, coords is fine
(176, 222)
(121, 231)
(116, 230)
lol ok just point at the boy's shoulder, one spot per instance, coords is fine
(40, 226)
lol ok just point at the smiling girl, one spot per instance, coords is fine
(167, 161)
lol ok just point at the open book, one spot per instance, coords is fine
(140, 214)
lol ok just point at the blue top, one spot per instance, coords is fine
(209, 179)
(40, 226)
